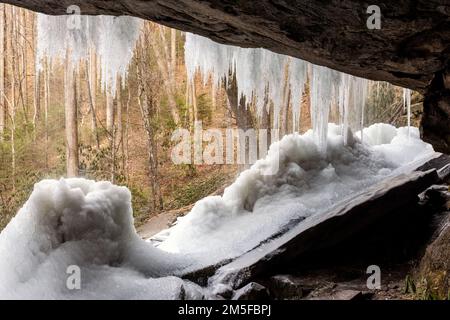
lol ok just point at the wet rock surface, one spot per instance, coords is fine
(418, 271)
(287, 287)
(328, 258)
(252, 291)
(433, 278)
(435, 124)
(359, 229)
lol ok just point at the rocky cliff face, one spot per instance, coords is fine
(411, 49)
(435, 125)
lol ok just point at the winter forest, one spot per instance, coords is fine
(57, 120)
(139, 161)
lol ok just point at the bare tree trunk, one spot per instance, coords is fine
(113, 155)
(148, 106)
(120, 125)
(127, 126)
(37, 84)
(71, 120)
(214, 95)
(170, 84)
(240, 112)
(91, 94)
(46, 106)
(23, 44)
(126, 142)
(79, 91)
(2, 72)
(92, 78)
(152, 153)
(266, 124)
(111, 131)
(194, 101)
(20, 34)
(305, 110)
(37, 100)
(12, 108)
(189, 104)
(284, 108)
(109, 112)
(13, 146)
(173, 54)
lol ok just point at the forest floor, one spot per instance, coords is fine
(209, 182)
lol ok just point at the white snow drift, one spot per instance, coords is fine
(89, 224)
(257, 206)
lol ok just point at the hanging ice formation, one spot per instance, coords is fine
(258, 69)
(73, 37)
(407, 106)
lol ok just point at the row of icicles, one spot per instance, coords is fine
(258, 71)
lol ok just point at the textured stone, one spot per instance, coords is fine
(252, 291)
(330, 229)
(284, 287)
(434, 271)
(435, 124)
(342, 295)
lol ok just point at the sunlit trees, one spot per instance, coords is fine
(71, 119)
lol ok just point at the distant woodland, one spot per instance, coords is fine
(58, 122)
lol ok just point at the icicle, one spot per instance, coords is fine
(113, 39)
(362, 121)
(297, 80)
(257, 70)
(323, 84)
(378, 89)
(407, 105)
(344, 94)
(404, 98)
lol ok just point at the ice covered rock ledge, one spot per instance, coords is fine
(410, 50)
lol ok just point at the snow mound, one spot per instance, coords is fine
(379, 133)
(258, 206)
(399, 146)
(77, 222)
